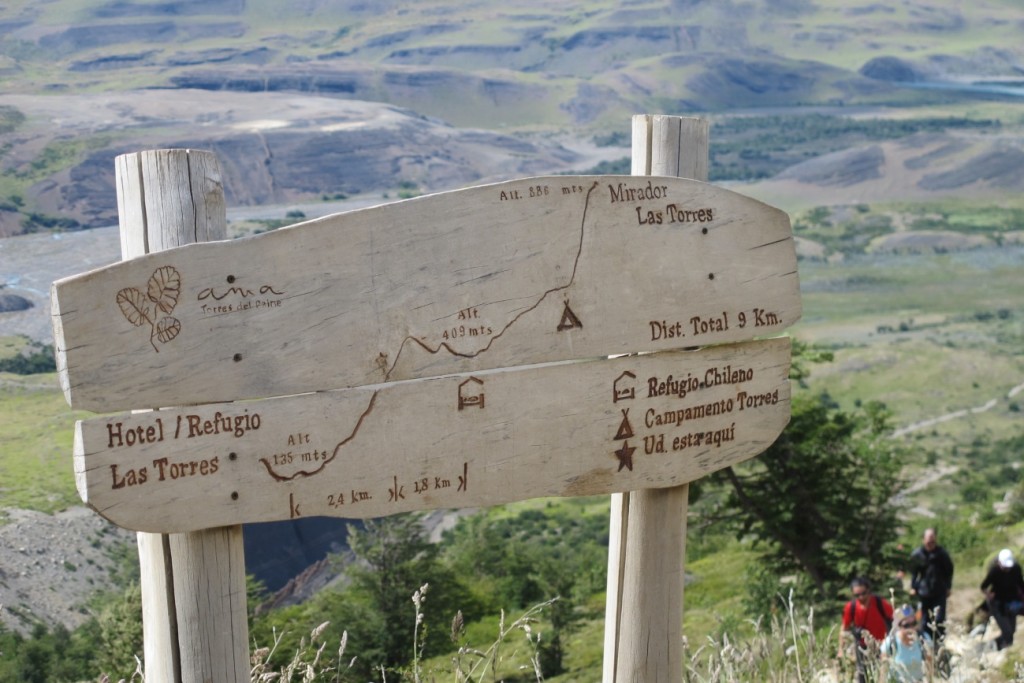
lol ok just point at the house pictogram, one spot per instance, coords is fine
(471, 394)
(623, 388)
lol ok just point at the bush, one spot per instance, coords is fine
(36, 359)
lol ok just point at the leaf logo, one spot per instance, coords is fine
(161, 296)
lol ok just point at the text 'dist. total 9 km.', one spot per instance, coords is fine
(699, 325)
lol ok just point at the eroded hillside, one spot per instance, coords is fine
(476, 90)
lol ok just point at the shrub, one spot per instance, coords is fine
(34, 360)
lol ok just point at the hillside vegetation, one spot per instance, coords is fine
(891, 133)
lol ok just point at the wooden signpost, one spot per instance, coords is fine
(457, 350)
(647, 528)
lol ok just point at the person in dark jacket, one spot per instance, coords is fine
(1004, 590)
(931, 581)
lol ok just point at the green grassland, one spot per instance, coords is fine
(35, 444)
(927, 333)
(35, 439)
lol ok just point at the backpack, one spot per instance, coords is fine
(878, 605)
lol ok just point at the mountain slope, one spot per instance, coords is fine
(279, 91)
(397, 53)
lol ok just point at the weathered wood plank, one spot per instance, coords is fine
(568, 429)
(209, 577)
(190, 582)
(527, 271)
(647, 534)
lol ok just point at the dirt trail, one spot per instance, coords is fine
(989, 405)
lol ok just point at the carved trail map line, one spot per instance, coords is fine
(350, 437)
(572, 278)
(445, 346)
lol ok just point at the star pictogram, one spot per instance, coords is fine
(625, 456)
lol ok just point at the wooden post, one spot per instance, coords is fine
(193, 584)
(647, 543)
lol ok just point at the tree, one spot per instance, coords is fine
(822, 496)
(393, 560)
(556, 556)
(120, 634)
(562, 614)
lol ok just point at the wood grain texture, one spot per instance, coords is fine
(528, 271)
(650, 646)
(159, 618)
(209, 590)
(647, 543)
(568, 429)
(194, 625)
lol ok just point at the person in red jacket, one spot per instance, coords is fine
(867, 618)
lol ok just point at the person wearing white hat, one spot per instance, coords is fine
(1004, 591)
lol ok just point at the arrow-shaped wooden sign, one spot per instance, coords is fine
(570, 429)
(527, 271)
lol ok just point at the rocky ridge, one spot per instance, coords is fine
(273, 148)
(49, 564)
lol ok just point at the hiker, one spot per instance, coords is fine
(1004, 591)
(906, 652)
(931, 581)
(867, 618)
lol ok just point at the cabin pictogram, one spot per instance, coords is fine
(623, 388)
(470, 399)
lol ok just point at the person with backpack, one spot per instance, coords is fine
(907, 653)
(867, 618)
(1004, 592)
(931, 581)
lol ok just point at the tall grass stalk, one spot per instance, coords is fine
(487, 661)
(306, 663)
(417, 647)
